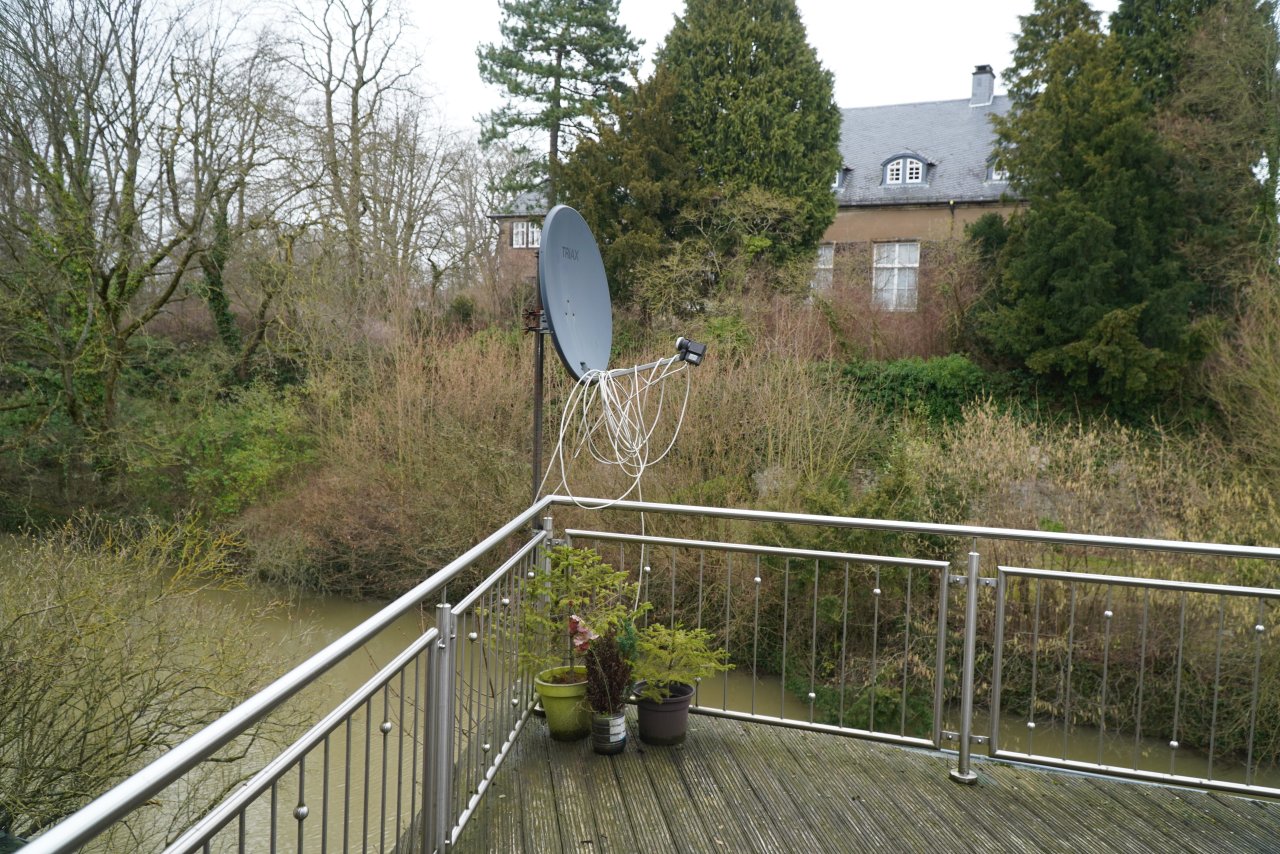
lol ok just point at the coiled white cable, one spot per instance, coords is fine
(612, 416)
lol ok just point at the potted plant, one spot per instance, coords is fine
(564, 604)
(608, 686)
(668, 663)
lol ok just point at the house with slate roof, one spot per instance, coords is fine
(913, 176)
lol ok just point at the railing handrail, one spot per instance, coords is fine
(126, 796)
(971, 531)
(750, 548)
(1152, 583)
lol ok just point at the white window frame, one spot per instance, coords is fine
(824, 267)
(905, 170)
(895, 275)
(525, 235)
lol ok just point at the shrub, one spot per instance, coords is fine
(108, 660)
(238, 450)
(937, 389)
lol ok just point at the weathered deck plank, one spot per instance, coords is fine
(746, 787)
(708, 754)
(648, 823)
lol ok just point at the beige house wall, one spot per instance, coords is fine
(908, 222)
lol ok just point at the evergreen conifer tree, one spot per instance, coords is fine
(1154, 37)
(559, 62)
(753, 108)
(1092, 291)
(632, 181)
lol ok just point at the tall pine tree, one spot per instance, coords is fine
(559, 62)
(1215, 93)
(753, 107)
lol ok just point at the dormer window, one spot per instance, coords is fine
(997, 173)
(904, 170)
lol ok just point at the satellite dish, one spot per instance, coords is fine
(575, 292)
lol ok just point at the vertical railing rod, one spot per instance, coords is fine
(1107, 616)
(418, 736)
(786, 600)
(962, 773)
(906, 659)
(940, 659)
(1071, 643)
(672, 624)
(844, 639)
(1177, 689)
(997, 661)
(444, 703)
(384, 727)
(728, 587)
(813, 646)
(1217, 683)
(1259, 629)
(755, 640)
(324, 802)
(301, 811)
(1035, 669)
(368, 753)
(875, 650)
(346, 788)
(1142, 675)
(400, 756)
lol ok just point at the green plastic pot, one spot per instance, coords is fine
(568, 716)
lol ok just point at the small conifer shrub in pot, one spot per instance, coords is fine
(668, 663)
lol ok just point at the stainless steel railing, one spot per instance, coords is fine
(766, 604)
(434, 702)
(827, 636)
(1193, 650)
(1181, 676)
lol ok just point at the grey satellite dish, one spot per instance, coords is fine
(575, 292)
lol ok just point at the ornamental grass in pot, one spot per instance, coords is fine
(669, 662)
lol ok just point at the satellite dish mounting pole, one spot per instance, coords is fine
(535, 322)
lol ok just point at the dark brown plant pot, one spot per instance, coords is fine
(665, 721)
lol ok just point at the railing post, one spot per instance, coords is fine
(962, 773)
(439, 730)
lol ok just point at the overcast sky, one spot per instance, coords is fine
(879, 52)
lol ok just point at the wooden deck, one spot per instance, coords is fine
(736, 787)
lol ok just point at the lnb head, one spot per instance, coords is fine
(691, 351)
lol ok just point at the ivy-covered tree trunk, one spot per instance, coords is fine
(212, 263)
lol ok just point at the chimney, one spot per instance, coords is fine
(984, 86)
